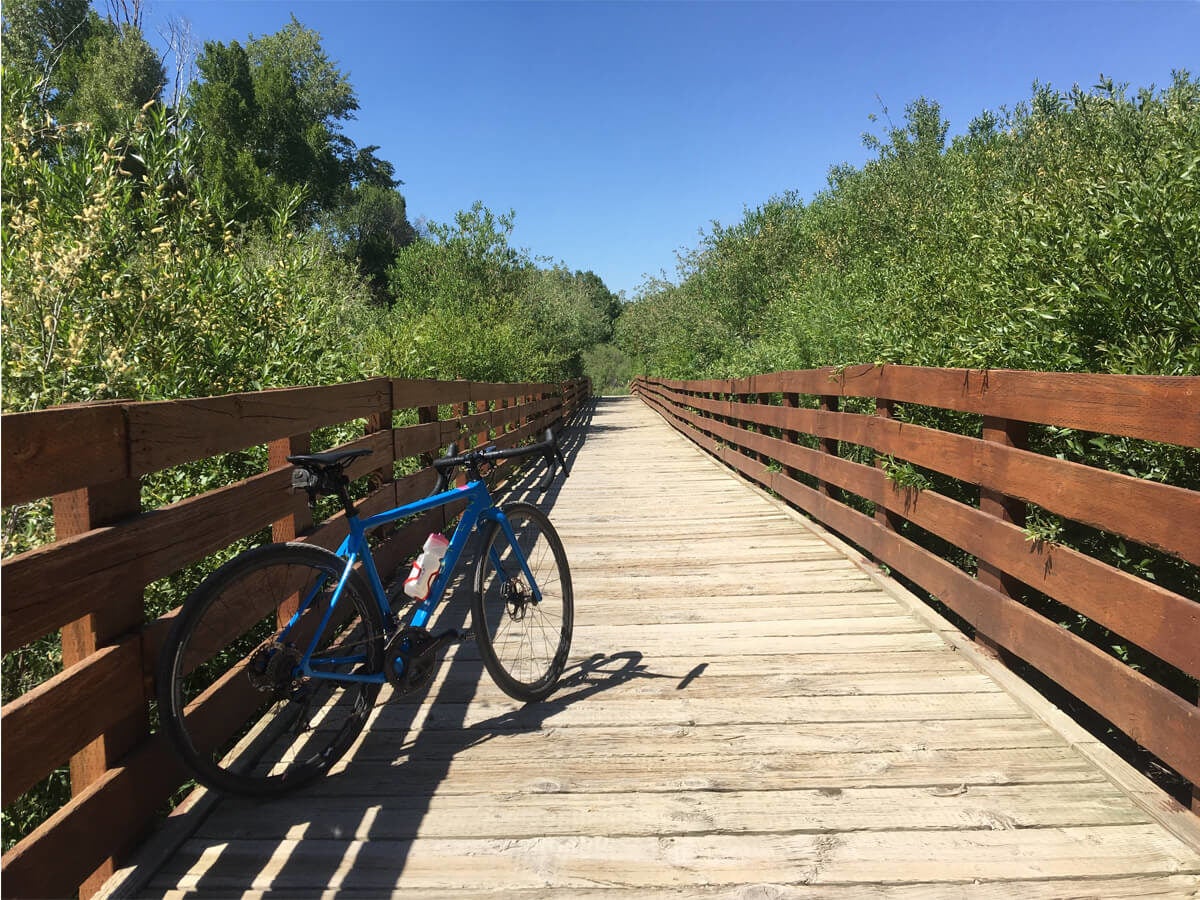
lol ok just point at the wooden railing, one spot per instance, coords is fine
(89, 582)
(761, 425)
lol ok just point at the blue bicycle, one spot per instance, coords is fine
(297, 641)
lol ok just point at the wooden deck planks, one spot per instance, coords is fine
(570, 863)
(747, 714)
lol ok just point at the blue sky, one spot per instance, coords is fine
(618, 131)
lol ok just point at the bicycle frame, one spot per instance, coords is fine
(480, 509)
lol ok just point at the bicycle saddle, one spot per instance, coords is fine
(328, 460)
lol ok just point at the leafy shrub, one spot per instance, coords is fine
(1063, 235)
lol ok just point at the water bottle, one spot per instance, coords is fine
(426, 566)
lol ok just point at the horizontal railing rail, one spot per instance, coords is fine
(89, 584)
(792, 433)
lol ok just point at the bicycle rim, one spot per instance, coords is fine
(523, 642)
(232, 698)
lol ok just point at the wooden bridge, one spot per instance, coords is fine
(752, 709)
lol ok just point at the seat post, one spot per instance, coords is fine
(343, 493)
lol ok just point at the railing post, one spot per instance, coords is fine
(885, 409)
(791, 401)
(703, 413)
(482, 437)
(300, 520)
(382, 421)
(74, 513)
(730, 398)
(457, 412)
(426, 415)
(829, 403)
(762, 400)
(1196, 784)
(1009, 433)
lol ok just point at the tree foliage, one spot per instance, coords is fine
(270, 117)
(118, 286)
(84, 67)
(471, 305)
(38, 34)
(1062, 235)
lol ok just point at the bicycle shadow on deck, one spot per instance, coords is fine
(386, 786)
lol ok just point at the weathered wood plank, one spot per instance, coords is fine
(1157, 408)
(576, 861)
(756, 811)
(170, 432)
(948, 773)
(460, 683)
(1143, 887)
(689, 711)
(56, 450)
(820, 739)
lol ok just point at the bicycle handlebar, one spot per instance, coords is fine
(548, 447)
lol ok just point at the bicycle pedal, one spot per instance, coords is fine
(453, 636)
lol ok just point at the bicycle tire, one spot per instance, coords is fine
(295, 728)
(524, 645)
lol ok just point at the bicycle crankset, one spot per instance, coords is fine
(410, 657)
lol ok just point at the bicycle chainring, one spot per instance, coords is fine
(410, 659)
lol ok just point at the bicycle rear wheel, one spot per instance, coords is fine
(523, 642)
(230, 695)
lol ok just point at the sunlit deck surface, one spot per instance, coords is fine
(752, 710)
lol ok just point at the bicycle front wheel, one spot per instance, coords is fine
(231, 695)
(523, 638)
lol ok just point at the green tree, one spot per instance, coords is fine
(370, 224)
(85, 68)
(468, 304)
(1062, 234)
(37, 34)
(271, 114)
(609, 368)
(113, 74)
(224, 112)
